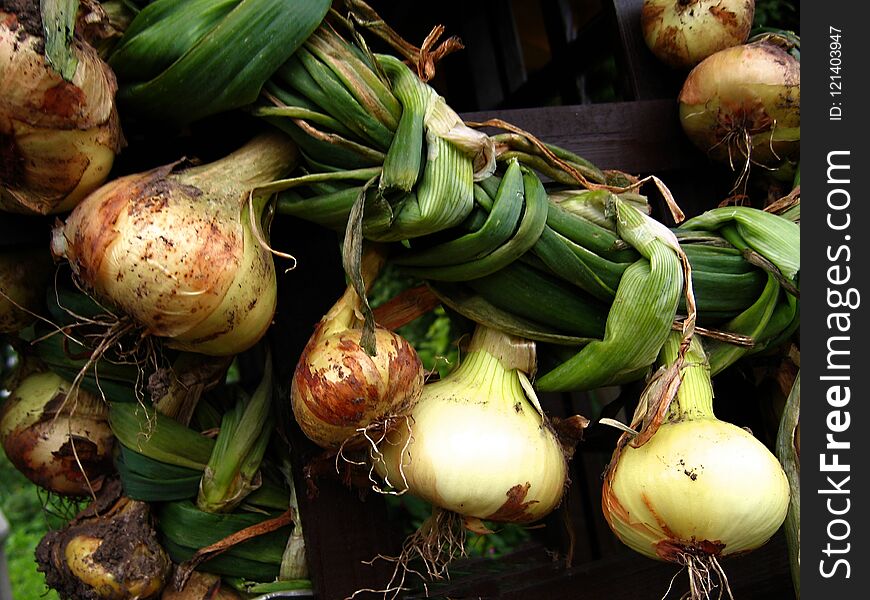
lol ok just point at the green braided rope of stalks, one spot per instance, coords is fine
(641, 316)
(182, 61)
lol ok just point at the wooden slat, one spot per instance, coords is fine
(759, 575)
(637, 137)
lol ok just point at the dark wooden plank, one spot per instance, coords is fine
(638, 137)
(759, 575)
(557, 19)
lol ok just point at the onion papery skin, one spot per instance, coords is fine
(58, 139)
(177, 253)
(338, 387)
(682, 33)
(38, 431)
(474, 445)
(751, 89)
(700, 484)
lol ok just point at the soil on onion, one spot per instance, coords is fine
(27, 12)
(123, 529)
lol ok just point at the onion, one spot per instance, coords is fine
(201, 586)
(479, 446)
(476, 447)
(178, 250)
(682, 33)
(698, 488)
(61, 443)
(58, 139)
(339, 389)
(742, 105)
(25, 273)
(109, 551)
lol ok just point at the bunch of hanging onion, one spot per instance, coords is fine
(697, 488)
(62, 442)
(182, 251)
(682, 33)
(109, 551)
(58, 137)
(741, 105)
(338, 388)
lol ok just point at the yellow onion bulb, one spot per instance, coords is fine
(61, 443)
(697, 488)
(474, 444)
(179, 252)
(110, 553)
(58, 138)
(682, 33)
(742, 105)
(338, 388)
(698, 484)
(25, 273)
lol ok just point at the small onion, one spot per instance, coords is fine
(699, 488)
(62, 444)
(338, 388)
(742, 105)
(109, 551)
(682, 33)
(475, 444)
(58, 139)
(178, 250)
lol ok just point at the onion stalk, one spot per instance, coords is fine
(691, 489)
(682, 33)
(60, 442)
(58, 134)
(233, 469)
(181, 251)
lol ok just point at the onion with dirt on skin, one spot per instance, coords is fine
(742, 106)
(58, 138)
(109, 551)
(61, 443)
(682, 33)
(182, 252)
